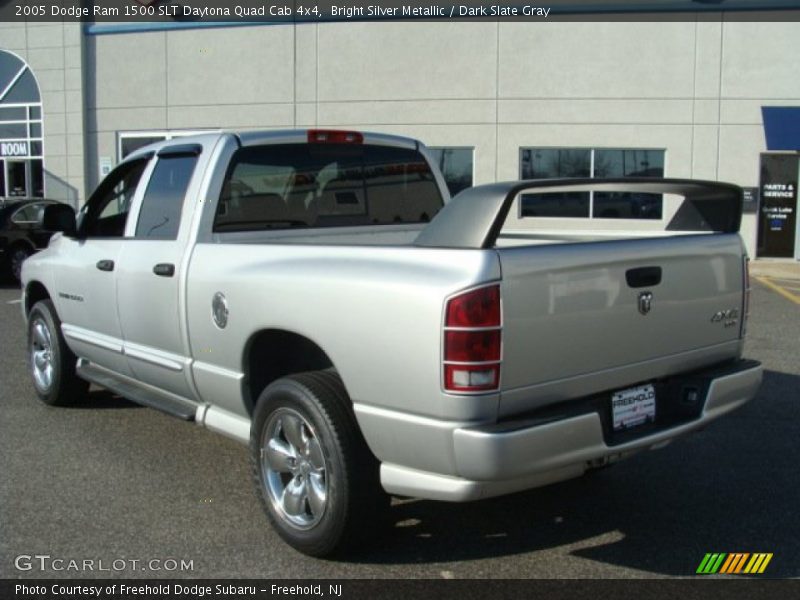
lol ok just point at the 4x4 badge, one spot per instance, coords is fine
(645, 302)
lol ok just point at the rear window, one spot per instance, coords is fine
(282, 186)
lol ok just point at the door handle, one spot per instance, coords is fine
(164, 269)
(643, 277)
(105, 265)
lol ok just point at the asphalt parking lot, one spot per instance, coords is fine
(109, 481)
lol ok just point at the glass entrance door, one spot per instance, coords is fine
(17, 178)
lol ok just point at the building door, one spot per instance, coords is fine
(17, 178)
(777, 215)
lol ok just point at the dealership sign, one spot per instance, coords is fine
(780, 210)
(777, 223)
(13, 149)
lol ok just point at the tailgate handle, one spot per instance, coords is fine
(643, 277)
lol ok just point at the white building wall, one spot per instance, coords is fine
(693, 88)
(53, 51)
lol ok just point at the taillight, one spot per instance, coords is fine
(746, 301)
(473, 341)
(466, 378)
(330, 136)
(478, 308)
(472, 346)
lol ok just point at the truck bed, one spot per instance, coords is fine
(406, 235)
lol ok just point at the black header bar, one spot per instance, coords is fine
(218, 12)
(391, 589)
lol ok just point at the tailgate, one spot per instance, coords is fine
(572, 310)
(592, 313)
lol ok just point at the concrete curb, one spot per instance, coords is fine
(775, 269)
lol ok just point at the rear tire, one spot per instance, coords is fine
(16, 257)
(317, 480)
(50, 362)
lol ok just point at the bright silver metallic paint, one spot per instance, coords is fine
(491, 464)
(373, 298)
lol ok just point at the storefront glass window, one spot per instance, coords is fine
(553, 163)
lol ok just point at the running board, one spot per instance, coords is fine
(169, 404)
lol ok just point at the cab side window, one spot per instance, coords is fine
(107, 210)
(160, 215)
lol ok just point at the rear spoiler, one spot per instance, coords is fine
(474, 218)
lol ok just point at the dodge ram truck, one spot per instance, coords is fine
(317, 295)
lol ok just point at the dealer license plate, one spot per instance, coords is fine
(634, 406)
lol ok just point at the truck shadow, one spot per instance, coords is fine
(100, 399)
(730, 488)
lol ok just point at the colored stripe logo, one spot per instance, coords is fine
(736, 563)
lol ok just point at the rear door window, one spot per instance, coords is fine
(282, 186)
(160, 215)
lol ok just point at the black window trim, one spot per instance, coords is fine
(179, 150)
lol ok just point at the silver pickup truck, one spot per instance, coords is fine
(317, 295)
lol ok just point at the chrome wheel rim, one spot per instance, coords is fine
(294, 469)
(41, 354)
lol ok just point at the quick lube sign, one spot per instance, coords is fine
(13, 148)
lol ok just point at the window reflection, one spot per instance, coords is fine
(600, 163)
(456, 165)
(554, 163)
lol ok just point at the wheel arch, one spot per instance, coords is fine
(34, 292)
(270, 354)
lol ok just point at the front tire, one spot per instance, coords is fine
(316, 478)
(50, 362)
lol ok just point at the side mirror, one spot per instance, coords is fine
(59, 217)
